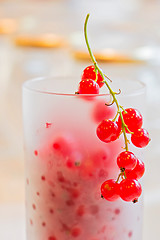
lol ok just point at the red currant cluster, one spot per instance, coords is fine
(129, 189)
(132, 169)
(88, 85)
(129, 122)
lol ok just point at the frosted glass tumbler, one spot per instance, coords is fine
(66, 163)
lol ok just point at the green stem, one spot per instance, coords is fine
(124, 131)
(97, 68)
(86, 39)
(119, 177)
(124, 173)
(123, 109)
(114, 119)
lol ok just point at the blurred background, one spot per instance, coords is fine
(45, 38)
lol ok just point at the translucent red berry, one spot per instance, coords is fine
(75, 231)
(126, 160)
(140, 138)
(81, 210)
(137, 172)
(102, 111)
(52, 238)
(63, 145)
(88, 86)
(36, 153)
(89, 73)
(108, 131)
(132, 118)
(110, 190)
(130, 189)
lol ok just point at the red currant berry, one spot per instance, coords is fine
(110, 190)
(107, 131)
(137, 172)
(64, 145)
(89, 73)
(101, 111)
(132, 118)
(126, 160)
(129, 189)
(36, 153)
(88, 86)
(140, 138)
(52, 238)
(75, 231)
(81, 210)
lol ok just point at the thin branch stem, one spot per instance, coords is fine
(86, 39)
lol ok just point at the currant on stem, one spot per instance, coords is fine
(137, 172)
(140, 138)
(110, 190)
(126, 160)
(88, 86)
(108, 131)
(90, 73)
(130, 189)
(132, 118)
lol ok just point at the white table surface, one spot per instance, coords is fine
(12, 222)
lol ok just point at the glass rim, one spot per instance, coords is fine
(26, 85)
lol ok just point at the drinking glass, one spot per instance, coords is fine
(66, 163)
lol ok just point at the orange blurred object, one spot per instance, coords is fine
(107, 55)
(8, 26)
(44, 40)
